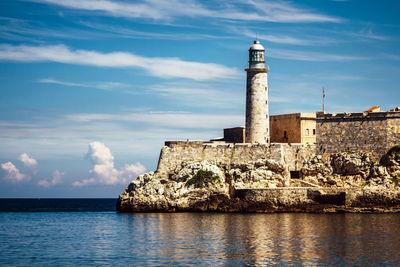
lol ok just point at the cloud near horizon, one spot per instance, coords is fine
(104, 172)
(13, 174)
(166, 67)
(27, 160)
(55, 179)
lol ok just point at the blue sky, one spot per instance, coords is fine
(90, 89)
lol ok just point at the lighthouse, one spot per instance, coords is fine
(257, 120)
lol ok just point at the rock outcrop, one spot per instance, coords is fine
(326, 183)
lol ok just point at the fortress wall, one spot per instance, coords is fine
(393, 137)
(296, 154)
(174, 153)
(373, 133)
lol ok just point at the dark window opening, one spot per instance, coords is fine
(285, 137)
(313, 131)
(295, 174)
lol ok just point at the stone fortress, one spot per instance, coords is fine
(316, 162)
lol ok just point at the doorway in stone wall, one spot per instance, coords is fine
(295, 174)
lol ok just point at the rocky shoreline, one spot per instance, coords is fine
(339, 182)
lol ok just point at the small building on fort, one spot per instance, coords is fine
(284, 128)
(293, 128)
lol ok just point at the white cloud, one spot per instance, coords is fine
(311, 56)
(84, 182)
(272, 11)
(56, 179)
(279, 11)
(97, 85)
(284, 39)
(13, 174)
(166, 67)
(27, 160)
(121, 32)
(104, 172)
(132, 170)
(30, 30)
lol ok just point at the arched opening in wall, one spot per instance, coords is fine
(308, 131)
(313, 131)
(285, 137)
(295, 174)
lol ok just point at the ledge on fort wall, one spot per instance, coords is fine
(199, 143)
(357, 116)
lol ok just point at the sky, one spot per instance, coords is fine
(91, 89)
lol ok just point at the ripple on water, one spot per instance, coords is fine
(97, 238)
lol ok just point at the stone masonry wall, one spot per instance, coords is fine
(393, 127)
(174, 153)
(373, 133)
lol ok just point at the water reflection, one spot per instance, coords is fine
(263, 239)
(101, 238)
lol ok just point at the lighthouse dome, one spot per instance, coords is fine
(256, 46)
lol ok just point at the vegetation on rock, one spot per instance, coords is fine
(396, 179)
(202, 178)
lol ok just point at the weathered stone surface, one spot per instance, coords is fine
(374, 132)
(257, 120)
(259, 181)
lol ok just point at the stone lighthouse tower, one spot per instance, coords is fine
(257, 120)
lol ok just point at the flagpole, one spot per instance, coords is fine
(323, 100)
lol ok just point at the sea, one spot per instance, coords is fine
(89, 232)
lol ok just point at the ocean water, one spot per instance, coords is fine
(93, 238)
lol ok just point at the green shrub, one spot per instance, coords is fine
(202, 178)
(396, 180)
